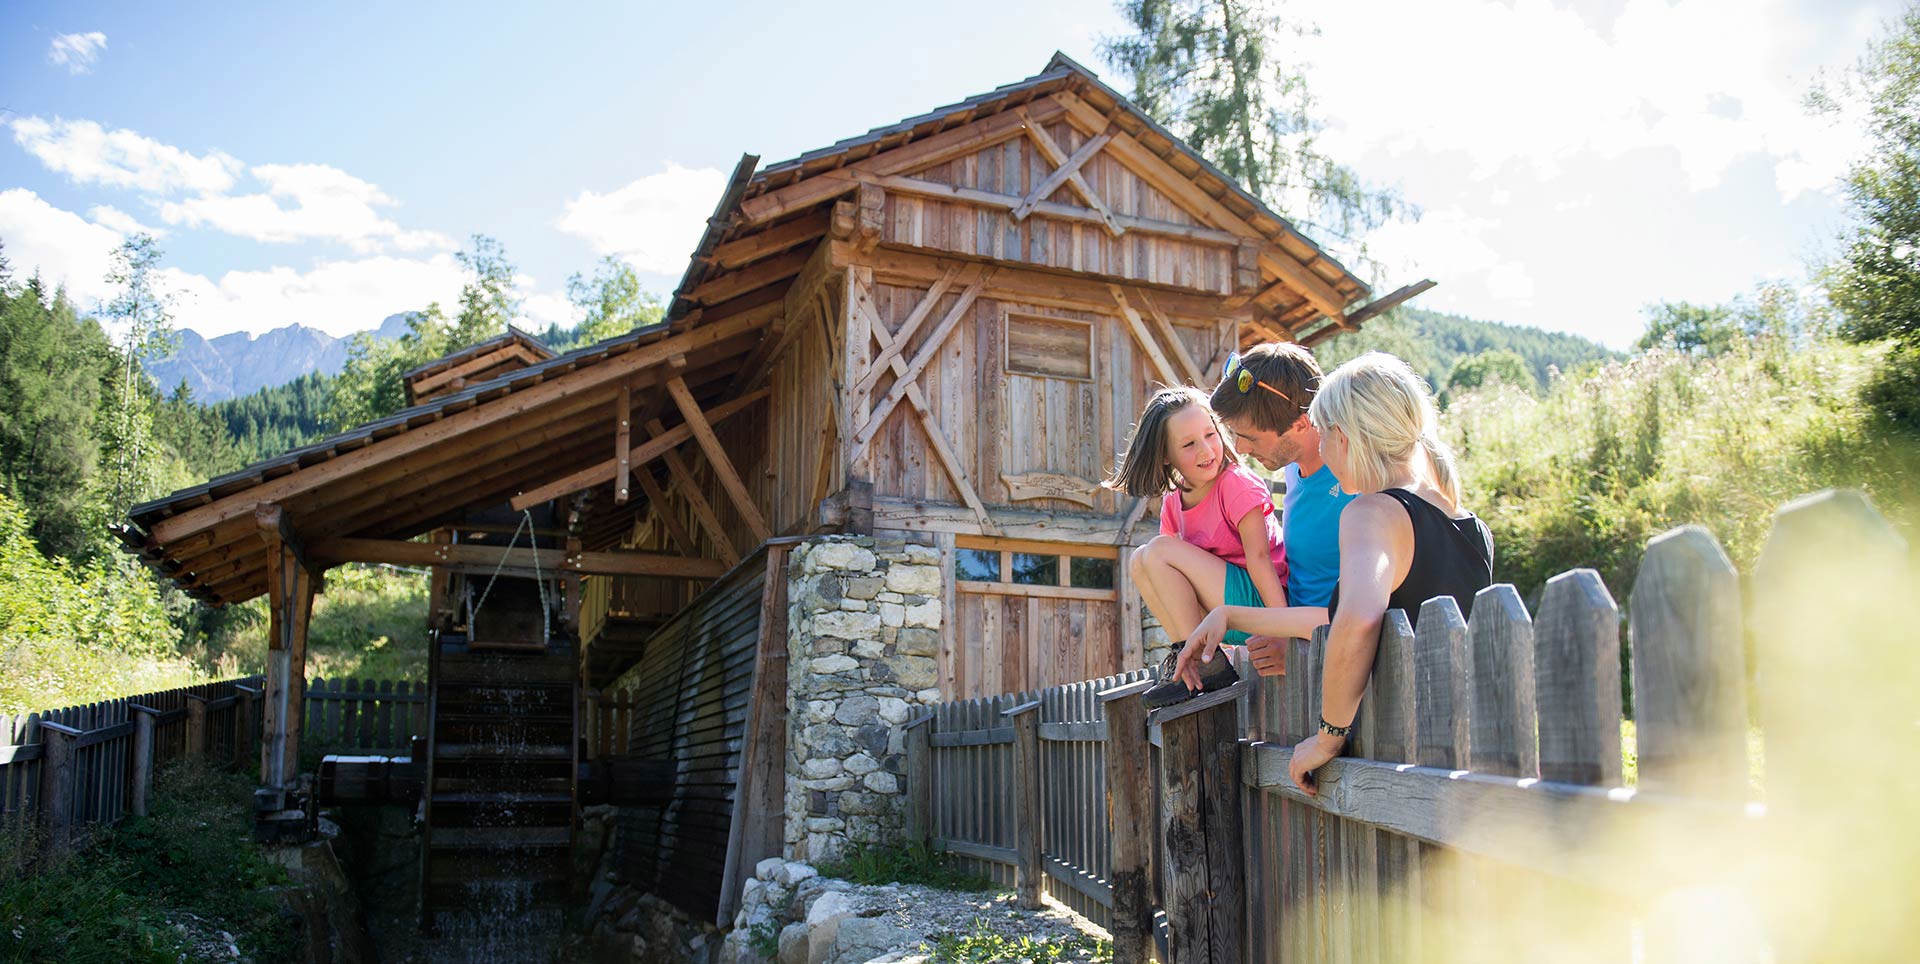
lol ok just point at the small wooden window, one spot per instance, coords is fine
(982, 565)
(1053, 347)
(1036, 570)
(1092, 573)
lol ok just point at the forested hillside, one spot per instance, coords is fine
(1438, 345)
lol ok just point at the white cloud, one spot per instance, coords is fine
(76, 51)
(89, 154)
(120, 222)
(1531, 84)
(337, 297)
(62, 246)
(651, 223)
(304, 202)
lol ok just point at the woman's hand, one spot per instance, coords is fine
(1311, 754)
(1201, 647)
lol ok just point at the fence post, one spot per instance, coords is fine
(143, 722)
(1129, 821)
(1026, 806)
(1200, 802)
(920, 781)
(196, 724)
(56, 784)
(244, 707)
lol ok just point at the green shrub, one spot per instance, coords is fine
(117, 900)
(913, 863)
(983, 945)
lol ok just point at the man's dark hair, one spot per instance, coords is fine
(1286, 368)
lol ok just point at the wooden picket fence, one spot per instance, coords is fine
(80, 767)
(1479, 812)
(371, 715)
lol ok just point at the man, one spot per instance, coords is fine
(1263, 401)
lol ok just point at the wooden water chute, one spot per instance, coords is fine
(940, 331)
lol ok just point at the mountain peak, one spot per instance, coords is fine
(240, 363)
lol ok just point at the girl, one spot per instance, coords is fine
(1219, 542)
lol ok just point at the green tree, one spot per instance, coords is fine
(370, 385)
(1876, 283)
(487, 301)
(53, 365)
(1499, 365)
(611, 301)
(1687, 327)
(1221, 75)
(143, 314)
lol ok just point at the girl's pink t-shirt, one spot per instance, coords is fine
(1214, 524)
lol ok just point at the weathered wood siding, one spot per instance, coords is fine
(692, 683)
(807, 462)
(1008, 644)
(1005, 423)
(1013, 168)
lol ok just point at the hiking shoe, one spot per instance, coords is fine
(1216, 675)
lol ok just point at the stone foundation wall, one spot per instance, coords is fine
(863, 637)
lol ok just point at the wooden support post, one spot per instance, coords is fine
(758, 822)
(141, 762)
(57, 777)
(1028, 871)
(1201, 884)
(290, 591)
(1130, 821)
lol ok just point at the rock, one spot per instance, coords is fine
(826, 739)
(839, 555)
(924, 555)
(860, 764)
(847, 625)
(750, 891)
(882, 782)
(857, 711)
(819, 711)
(858, 939)
(892, 614)
(925, 614)
(894, 710)
(831, 905)
(875, 738)
(912, 672)
(823, 592)
(825, 824)
(793, 872)
(918, 642)
(863, 587)
(597, 898)
(818, 768)
(869, 649)
(828, 665)
(766, 869)
(911, 580)
(793, 944)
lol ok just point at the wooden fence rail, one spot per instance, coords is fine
(77, 768)
(1479, 812)
(353, 714)
(80, 767)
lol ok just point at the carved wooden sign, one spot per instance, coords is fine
(1050, 485)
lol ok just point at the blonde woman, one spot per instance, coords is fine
(1405, 540)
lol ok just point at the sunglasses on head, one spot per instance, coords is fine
(1243, 380)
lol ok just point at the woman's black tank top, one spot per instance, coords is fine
(1451, 557)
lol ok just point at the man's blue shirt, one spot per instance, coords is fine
(1310, 523)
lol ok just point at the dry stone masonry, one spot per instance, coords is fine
(863, 635)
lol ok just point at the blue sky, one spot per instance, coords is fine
(1573, 161)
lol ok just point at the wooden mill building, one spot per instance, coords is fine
(940, 330)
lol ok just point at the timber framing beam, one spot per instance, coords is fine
(929, 349)
(454, 426)
(653, 448)
(717, 458)
(1066, 170)
(690, 490)
(395, 552)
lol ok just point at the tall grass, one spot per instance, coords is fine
(1618, 453)
(369, 623)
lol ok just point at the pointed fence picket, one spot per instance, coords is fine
(1479, 812)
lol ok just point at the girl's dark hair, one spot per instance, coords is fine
(1144, 471)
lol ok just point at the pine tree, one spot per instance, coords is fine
(1220, 75)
